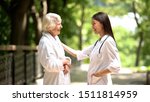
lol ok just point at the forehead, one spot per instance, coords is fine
(55, 18)
(58, 21)
(95, 21)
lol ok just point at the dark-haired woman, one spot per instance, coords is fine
(103, 54)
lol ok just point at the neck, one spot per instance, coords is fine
(101, 35)
(52, 34)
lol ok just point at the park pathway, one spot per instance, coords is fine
(125, 77)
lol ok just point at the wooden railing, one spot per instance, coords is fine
(19, 65)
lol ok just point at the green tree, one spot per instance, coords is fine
(141, 7)
(18, 12)
(22, 19)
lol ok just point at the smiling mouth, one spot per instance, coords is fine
(94, 29)
(58, 29)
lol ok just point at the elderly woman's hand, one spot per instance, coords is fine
(67, 65)
(66, 69)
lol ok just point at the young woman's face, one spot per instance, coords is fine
(97, 27)
(57, 29)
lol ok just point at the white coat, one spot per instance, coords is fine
(102, 56)
(50, 54)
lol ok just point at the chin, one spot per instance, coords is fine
(95, 31)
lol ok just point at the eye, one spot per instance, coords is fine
(93, 23)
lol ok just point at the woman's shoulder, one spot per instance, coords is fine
(110, 40)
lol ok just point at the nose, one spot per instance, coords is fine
(61, 26)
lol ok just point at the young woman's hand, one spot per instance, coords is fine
(96, 74)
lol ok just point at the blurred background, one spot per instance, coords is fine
(20, 31)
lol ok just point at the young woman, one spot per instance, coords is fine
(104, 56)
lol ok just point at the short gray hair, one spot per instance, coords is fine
(49, 21)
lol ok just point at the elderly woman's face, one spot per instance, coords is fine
(57, 29)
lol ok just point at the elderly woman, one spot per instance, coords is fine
(51, 53)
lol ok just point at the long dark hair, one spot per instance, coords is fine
(104, 20)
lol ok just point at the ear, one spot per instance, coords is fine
(52, 25)
(48, 28)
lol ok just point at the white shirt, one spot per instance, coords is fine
(50, 54)
(103, 54)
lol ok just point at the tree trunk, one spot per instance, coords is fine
(19, 21)
(37, 18)
(138, 51)
(81, 27)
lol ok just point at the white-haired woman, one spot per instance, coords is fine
(51, 53)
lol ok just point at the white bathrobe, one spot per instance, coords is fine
(50, 54)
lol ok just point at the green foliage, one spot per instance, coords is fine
(146, 43)
(143, 10)
(114, 7)
(71, 12)
(31, 35)
(37, 5)
(72, 22)
(146, 28)
(126, 46)
(70, 28)
(4, 27)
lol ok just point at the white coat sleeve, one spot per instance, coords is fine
(113, 58)
(85, 53)
(47, 57)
